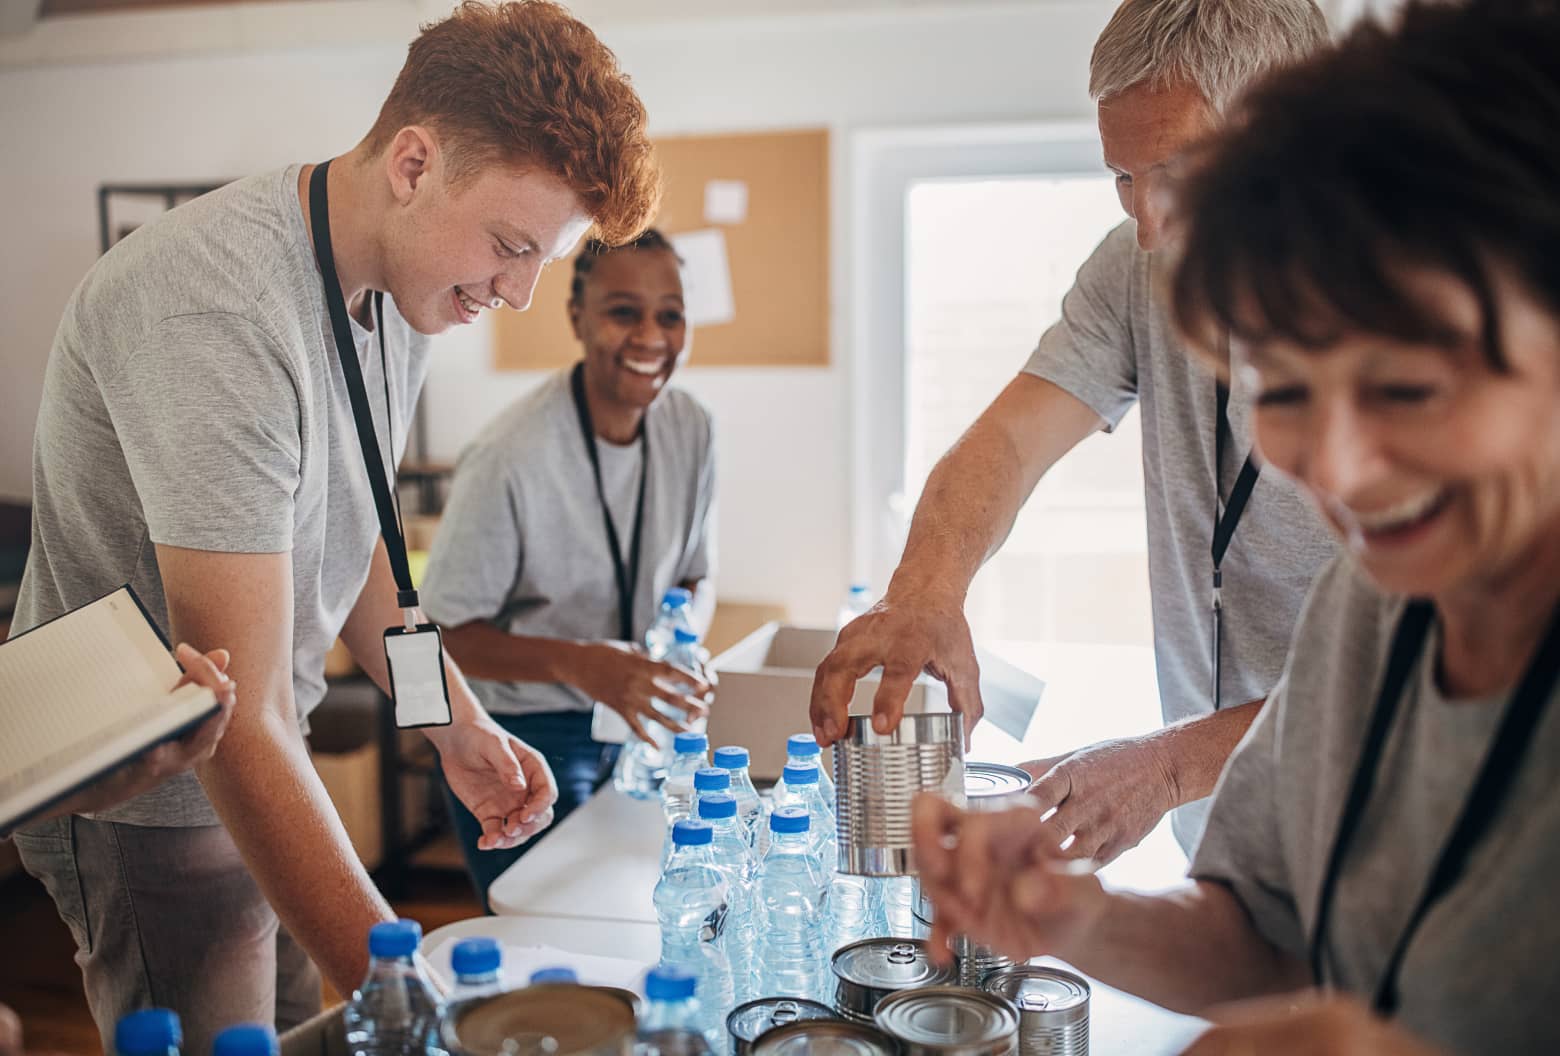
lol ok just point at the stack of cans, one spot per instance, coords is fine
(1053, 1008)
(949, 1021)
(868, 971)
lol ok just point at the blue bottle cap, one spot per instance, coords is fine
(554, 975)
(789, 819)
(801, 744)
(859, 588)
(691, 833)
(479, 956)
(711, 779)
(665, 983)
(731, 757)
(683, 636)
(394, 938)
(676, 597)
(246, 1039)
(147, 1031)
(717, 805)
(684, 743)
(800, 775)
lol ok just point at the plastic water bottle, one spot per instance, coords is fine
(705, 780)
(674, 613)
(149, 1032)
(670, 1024)
(799, 786)
(857, 601)
(396, 1011)
(691, 902)
(691, 754)
(750, 806)
(854, 912)
(559, 974)
(246, 1039)
(792, 898)
(478, 965)
(802, 749)
(734, 858)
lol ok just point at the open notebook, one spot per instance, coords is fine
(81, 694)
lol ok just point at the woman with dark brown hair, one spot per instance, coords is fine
(1376, 237)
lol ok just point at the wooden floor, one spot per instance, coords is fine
(40, 980)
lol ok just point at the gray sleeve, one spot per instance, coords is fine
(699, 560)
(477, 552)
(1088, 352)
(1242, 846)
(208, 416)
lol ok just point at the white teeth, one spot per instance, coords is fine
(648, 368)
(1396, 516)
(466, 301)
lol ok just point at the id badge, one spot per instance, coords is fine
(416, 661)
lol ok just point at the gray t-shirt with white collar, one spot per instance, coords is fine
(194, 398)
(522, 544)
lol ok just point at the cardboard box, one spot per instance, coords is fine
(766, 687)
(735, 620)
(324, 1035)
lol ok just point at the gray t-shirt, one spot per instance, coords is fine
(1114, 344)
(1481, 972)
(522, 544)
(193, 398)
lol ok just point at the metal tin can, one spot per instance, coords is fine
(865, 972)
(976, 961)
(949, 1021)
(877, 775)
(1053, 1008)
(994, 784)
(825, 1037)
(746, 1022)
(553, 1019)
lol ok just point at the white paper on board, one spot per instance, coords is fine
(706, 277)
(725, 201)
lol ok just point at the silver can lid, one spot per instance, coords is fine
(825, 1037)
(1039, 990)
(984, 780)
(746, 1022)
(888, 964)
(949, 1019)
(561, 1018)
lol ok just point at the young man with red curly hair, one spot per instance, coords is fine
(197, 440)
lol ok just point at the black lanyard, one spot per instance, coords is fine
(1500, 768)
(1226, 518)
(627, 575)
(388, 510)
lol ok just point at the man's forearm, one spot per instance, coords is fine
(1195, 750)
(485, 651)
(1184, 949)
(269, 796)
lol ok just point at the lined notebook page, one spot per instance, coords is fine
(90, 674)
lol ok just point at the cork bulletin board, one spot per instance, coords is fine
(764, 199)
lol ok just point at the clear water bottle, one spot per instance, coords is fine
(149, 1032)
(802, 749)
(734, 858)
(670, 1024)
(691, 903)
(792, 897)
(857, 601)
(690, 755)
(853, 911)
(246, 1039)
(800, 786)
(559, 974)
(750, 806)
(705, 780)
(396, 1011)
(478, 965)
(674, 613)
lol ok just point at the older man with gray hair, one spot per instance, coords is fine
(1232, 551)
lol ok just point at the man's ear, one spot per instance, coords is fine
(574, 318)
(412, 157)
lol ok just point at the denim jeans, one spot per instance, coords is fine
(169, 917)
(579, 765)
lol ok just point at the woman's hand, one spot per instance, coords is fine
(998, 878)
(626, 680)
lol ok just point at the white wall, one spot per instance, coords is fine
(785, 439)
